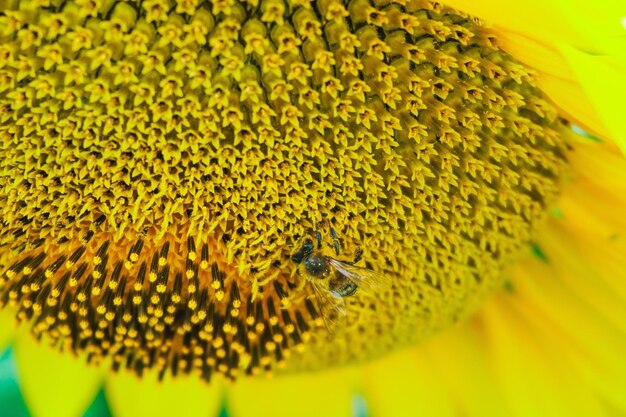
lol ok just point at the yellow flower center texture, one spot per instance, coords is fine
(161, 162)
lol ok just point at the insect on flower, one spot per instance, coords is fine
(332, 279)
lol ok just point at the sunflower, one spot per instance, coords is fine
(172, 170)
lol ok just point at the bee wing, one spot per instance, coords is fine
(365, 278)
(331, 306)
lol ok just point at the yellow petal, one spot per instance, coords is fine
(540, 19)
(593, 26)
(543, 57)
(593, 224)
(574, 104)
(605, 84)
(130, 396)
(593, 348)
(602, 27)
(327, 393)
(580, 277)
(556, 78)
(579, 51)
(54, 384)
(535, 377)
(405, 384)
(583, 325)
(599, 168)
(581, 306)
(460, 359)
(7, 328)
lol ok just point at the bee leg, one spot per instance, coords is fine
(358, 254)
(318, 236)
(335, 241)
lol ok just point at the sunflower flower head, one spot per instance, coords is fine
(162, 160)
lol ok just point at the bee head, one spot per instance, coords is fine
(305, 250)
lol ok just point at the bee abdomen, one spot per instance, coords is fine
(344, 289)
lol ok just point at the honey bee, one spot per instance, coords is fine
(332, 279)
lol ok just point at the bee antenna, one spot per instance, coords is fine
(318, 236)
(333, 233)
(358, 254)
